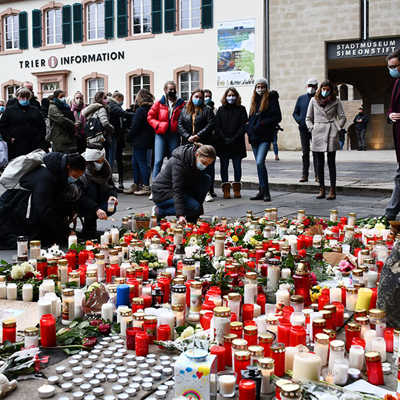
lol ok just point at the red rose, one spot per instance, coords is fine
(95, 322)
(89, 342)
(104, 328)
(29, 275)
(302, 253)
(306, 221)
(318, 256)
(313, 279)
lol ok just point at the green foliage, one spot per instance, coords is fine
(143, 255)
(206, 267)
(289, 262)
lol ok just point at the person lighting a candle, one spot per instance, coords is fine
(99, 197)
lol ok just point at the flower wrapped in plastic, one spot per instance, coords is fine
(95, 296)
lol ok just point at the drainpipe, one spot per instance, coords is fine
(266, 43)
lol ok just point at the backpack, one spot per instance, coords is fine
(3, 154)
(20, 166)
(94, 131)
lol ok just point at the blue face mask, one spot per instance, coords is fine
(197, 102)
(394, 73)
(325, 93)
(71, 179)
(207, 100)
(23, 102)
(2, 108)
(200, 165)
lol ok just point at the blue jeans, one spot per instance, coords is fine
(193, 200)
(111, 151)
(260, 154)
(164, 145)
(141, 165)
(237, 168)
(275, 144)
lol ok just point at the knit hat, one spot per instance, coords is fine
(262, 81)
(93, 154)
(312, 81)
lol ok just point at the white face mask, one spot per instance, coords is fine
(98, 165)
(310, 90)
(260, 91)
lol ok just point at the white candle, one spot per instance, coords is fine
(3, 290)
(227, 384)
(369, 336)
(114, 235)
(52, 299)
(306, 366)
(78, 298)
(274, 274)
(256, 310)
(321, 348)
(282, 297)
(340, 373)
(335, 295)
(44, 307)
(27, 292)
(250, 293)
(378, 344)
(11, 291)
(107, 312)
(123, 268)
(356, 357)
(72, 240)
(372, 277)
(285, 273)
(290, 352)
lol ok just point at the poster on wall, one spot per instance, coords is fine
(236, 53)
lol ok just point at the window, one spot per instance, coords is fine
(188, 81)
(93, 86)
(141, 16)
(12, 91)
(139, 82)
(189, 14)
(95, 21)
(49, 87)
(11, 32)
(53, 27)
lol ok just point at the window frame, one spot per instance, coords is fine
(132, 16)
(6, 85)
(88, 7)
(85, 83)
(46, 38)
(180, 10)
(86, 41)
(186, 69)
(129, 87)
(44, 10)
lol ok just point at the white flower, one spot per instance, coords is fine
(17, 272)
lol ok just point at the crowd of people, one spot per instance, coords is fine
(84, 141)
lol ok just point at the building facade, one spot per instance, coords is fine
(124, 45)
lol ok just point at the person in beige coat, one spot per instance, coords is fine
(325, 117)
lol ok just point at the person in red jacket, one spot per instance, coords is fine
(163, 118)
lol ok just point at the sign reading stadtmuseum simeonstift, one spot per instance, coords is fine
(362, 48)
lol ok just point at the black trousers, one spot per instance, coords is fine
(119, 159)
(305, 138)
(331, 165)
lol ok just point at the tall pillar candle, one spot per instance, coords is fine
(363, 299)
(306, 366)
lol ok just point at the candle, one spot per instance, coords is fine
(9, 330)
(219, 244)
(267, 370)
(247, 390)
(274, 274)
(374, 368)
(27, 292)
(351, 298)
(11, 291)
(107, 311)
(379, 345)
(72, 240)
(335, 295)
(31, 337)
(321, 348)
(44, 307)
(282, 297)
(356, 357)
(306, 366)
(363, 299)
(227, 384)
(369, 336)
(114, 235)
(122, 295)
(3, 290)
(219, 352)
(48, 330)
(340, 373)
(285, 273)
(372, 277)
(289, 357)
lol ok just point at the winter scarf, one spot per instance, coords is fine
(77, 111)
(102, 177)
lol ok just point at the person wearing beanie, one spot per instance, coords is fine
(264, 117)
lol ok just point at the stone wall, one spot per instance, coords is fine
(383, 18)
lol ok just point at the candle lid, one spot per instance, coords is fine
(35, 243)
(220, 235)
(296, 298)
(63, 262)
(178, 288)
(290, 390)
(139, 316)
(337, 345)
(239, 344)
(319, 322)
(301, 269)
(330, 332)
(272, 320)
(372, 356)
(138, 300)
(236, 325)
(31, 331)
(222, 312)
(282, 382)
(274, 261)
(354, 327)
(362, 320)
(250, 330)
(196, 285)
(234, 296)
(357, 272)
(251, 275)
(242, 355)
(177, 308)
(266, 363)
(330, 307)
(256, 350)
(376, 313)
(11, 322)
(266, 337)
(322, 338)
(278, 348)
(326, 314)
(351, 290)
(150, 318)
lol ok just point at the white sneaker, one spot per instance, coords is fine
(153, 211)
(209, 198)
(151, 196)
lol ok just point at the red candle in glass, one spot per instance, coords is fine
(265, 340)
(220, 352)
(302, 285)
(83, 257)
(9, 330)
(352, 331)
(187, 284)
(308, 240)
(374, 368)
(48, 330)
(284, 331)
(142, 344)
(237, 329)
(323, 300)
(228, 348)
(388, 336)
(71, 258)
(250, 335)
(131, 337)
(287, 311)
(205, 319)
(150, 327)
(318, 326)
(278, 355)
(301, 243)
(339, 315)
(374, 298)
(52, 269)
(247, 390)
(297, 335)
(147, 300)
(261, 301)
(242, 361)
(42, 266)
(164, 332)
(247, 312)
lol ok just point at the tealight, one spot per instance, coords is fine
(73, 363)
(156, 376)
(61, 369)
(135, 386)
(88, 376)
(137, 379)
(77, 381)
(130, 392)
(163, 387)
(118, 361)
(145, 373)
(151, 362)
(117, 388)
(131, 371)
(93, 357)
(78, 395)
(123, 374)
(108, 371)
(67, 386)
(140, 359)
(94, 382)
(86, 387)
(98, 391)
(87, 364)
(106, 360)
(147, 386)
(167, 371)
(101, 377)
(131, 364)
(130, 357)
(46, 391)
(77, 357)
(67, 376)
(112, 377)
(89, 397)
(100, 366)
(143, 366)
(169, 384)
(122, 396)
(53, 380)
(108, 353)
(160, 394)
(77, 370)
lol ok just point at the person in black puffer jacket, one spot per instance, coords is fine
(181, 187)
(231, 122)
(51, 193)
(264, 117)
(141, 135)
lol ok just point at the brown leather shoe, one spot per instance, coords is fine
(332, 194)
(236, 186)
(321, 194)
(303, 179)
(226, 188)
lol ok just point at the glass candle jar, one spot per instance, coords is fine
(219, 244)
(68, 306)
(351, 219)
(377, 321)
(274, 274)
(195, 296)
(328, 317)
(234, 303)
(291, 391)
(237, 345)
(250, 335)
(31, 337)
(396, 340)
(297, 302)
(141, 344)
(125, 321)
(374, 368)
(272, 323)
(178, 295)
(353, 330)
(236, 327)
(284, 331)
(22, 246)
(256, 353)
(282, 297)
(48, 330)
(222, 317)
(250, 288)
(297, 335)
(364, 324)
(247, 390)
(138, 320)
(75, 277)
(265, 340)
(302, 283)
(62, 271)
(379, 345)
(9, 330)
(267, 370)
(100, 262)
(321, 348)
(35, 249)
(333, 216)
(242, 361)
(188, 268)
(278, 355)
(336, 353)
(179, 312)
(219, 352)
(91, 277)
(228, 339)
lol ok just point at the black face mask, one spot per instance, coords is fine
(172, 94)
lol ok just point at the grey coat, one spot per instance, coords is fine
(324, 123)
(99, 111)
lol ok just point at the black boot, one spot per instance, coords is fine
(259, 195)
(120, 185)
(267, 195)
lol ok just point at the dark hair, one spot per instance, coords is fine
(206, 151)
(395, 54)
(173, 83)
(235, 92)
(208, 91)
(144, 97)
(76, 161)
(332, 87)
(56, 93)
(190, 109)
(99, 97)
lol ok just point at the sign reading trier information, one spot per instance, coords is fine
(362, 48)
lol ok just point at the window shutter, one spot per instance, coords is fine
(156, 16)
(206, 14)
(109, 19)
(66, 25)
(36, 28)
(122, 18)
(78, 23)
(170, 16)
(23, 30)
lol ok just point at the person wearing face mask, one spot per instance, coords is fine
(22, 126)
(33, 101)
(231, 122)
(360, 124)
(163, 117)
(98, 191)
(2, 107)
(299, 114)
(77, 105)
(325, 118)
(264, 117)
(40, 210)
(99, 110)
(181, 187)
(62, 124)
(208, 101)
(393, 63)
